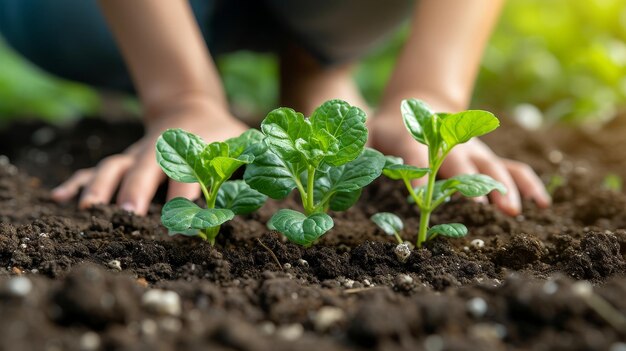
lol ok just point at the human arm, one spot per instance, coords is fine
(178, 86)
(439, 64)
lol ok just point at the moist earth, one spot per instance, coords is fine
(105, 279)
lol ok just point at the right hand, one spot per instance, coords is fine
(136, 172)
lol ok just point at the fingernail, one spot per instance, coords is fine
(127, 206)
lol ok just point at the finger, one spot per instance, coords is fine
(455, 165)
(509, 203)
(186, 190)
(528, 182)
(139, 185)
(70, 187)
(105, 180)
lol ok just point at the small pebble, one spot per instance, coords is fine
(477, 306)
(433, 343)
(528, 116)
(477, 243)
(19, 286)
(149, 327)
(582, 288)
(290, 332)
(115, 264)
(555, 156)
(367, 283)
(287, 266)
(89, 341)
(550, 287)
(488, 331)
(16, 271)
(520, 218)
(23, 246)
(326, 317)
(43, 235)
(162, 302)
(303, 263)
(267, 327)
(42, 136)
(171, 324)
(618, 346)
(348, 283)
(4, 160)
(141, 281)
(402, 251)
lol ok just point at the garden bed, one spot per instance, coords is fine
(89, 271)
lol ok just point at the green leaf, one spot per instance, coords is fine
(472, 185)
(299, 228)
(287, 132)
(416, 114)
(353, 175)
(345, 200)
(238, 197)
(224, 167)
(271, 174)
(346, 124)
(451, 230)
(238, 145)
(179, 154)
(408, 172)
(460, 127)
(388, 222)
(393, 160)
(180, 215)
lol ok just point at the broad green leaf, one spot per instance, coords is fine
(346, 124)
(179, 154)
(353, 175)
(270, 174)
(472, 185)
(416, 114)
(224, 167)
(343, 201)
(451, 230)
(388, 222)
(237, 145)
(238, 197)
(460, 127)
(393, 160)
(319, 146)
(183, 216)
(299, 228)
(284, 129)
(398, 172)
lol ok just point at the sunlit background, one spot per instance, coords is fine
(548, 60)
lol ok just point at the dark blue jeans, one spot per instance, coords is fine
(70, 38)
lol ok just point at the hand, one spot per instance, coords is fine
(388, 135)
(136, 172)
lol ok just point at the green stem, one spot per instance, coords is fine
(398, 237)
(209, 234)
(409, 187)
(425, 208)
(309, 206)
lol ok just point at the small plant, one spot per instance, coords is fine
(185, 158)
(323, 156)
(441, 132)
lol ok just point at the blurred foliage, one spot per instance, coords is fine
(26, 91)
(563, 59)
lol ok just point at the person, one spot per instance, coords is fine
(165, 46)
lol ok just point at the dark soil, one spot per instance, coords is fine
(520, 291)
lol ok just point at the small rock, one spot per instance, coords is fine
(478, 243)
(550, 287)
(582, 288)
(488, 331)
(16, 271)
(23, 246)
(477, 307)
(149, 327)
(367, 283)
(555, 156)
(43, 235)
(618, 346)
(287, 266)
(433, 343)
(402, 251)
(115, 264)
(348, 283)
(403, 282)
(303, 263)
(162, 302)
(290, 332)
(141, 281)
(267, 328)
(170, 324)
(327, 317)
(42, 136)
(19, 286)
(89, 341)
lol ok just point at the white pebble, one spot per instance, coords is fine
(477, 243)
(287, 265)
(582, 288)
(89, 341)
(405, 278)
(348, 283)
(19, 286)
(550, 287)
(618, 346)
(162, 302)
(303, 263)
(402, 251)
(290, 332)
(267, 328)
(115, 264)
(149, 327)
(477, 306)
(555, 156)
(43, 235)
(23, 246)
(327, 317)
(528, 116)
(433, 343)
(366, 282)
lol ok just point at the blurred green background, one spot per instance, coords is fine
(548, 60)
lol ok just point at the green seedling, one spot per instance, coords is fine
(185, 158)
(556, 181)
(440, 132)
(323, 156)
(612, 182)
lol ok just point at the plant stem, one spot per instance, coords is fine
(209, 234)
(425, 208)
(309, 206)
(398, 237)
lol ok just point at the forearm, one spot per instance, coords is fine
(441, 57)
(164, 51)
